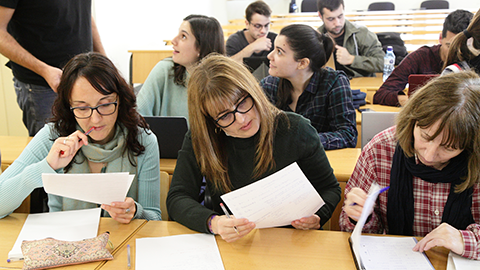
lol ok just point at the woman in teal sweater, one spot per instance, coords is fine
(91, 94)
(238, 137)
(164, 93)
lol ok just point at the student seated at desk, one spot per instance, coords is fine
(238, 137)
(425, 60)
(91, 94)
(300, 83)
(164, 93)
(430, 160)
(464, 52)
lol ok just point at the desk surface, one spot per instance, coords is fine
(274, 248)
(367, 83)
(12, 225)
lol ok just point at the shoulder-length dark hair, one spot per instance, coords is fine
(305, 42)
(105, 78)
(454, 101)
(209, 38)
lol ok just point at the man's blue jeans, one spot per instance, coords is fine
(36, 103)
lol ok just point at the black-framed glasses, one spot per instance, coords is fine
(260, 26)
(84, 112)
(227, 119)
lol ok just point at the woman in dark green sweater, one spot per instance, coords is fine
(238, 137)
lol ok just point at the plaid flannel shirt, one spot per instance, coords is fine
(374, 165)
(327, 103)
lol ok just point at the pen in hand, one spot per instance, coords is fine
(86, 133)
(228, 216)
(381, 191)
(128, 254)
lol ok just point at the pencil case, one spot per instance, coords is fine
(50, 252)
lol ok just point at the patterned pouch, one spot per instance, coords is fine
(49, 252)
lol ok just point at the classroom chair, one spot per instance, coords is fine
(165, 182)
(381, 6)
(434, 4)
(309, 6)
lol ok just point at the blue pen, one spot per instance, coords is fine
(381, 190)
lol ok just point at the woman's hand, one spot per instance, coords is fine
(443, 236)
(354, 201)
(224, 227)
(122, 212)
(64, 149)
(307, 223)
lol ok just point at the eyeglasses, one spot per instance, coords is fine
(227, 119)
(260, 26)
(102, 109)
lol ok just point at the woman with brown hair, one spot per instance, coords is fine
(238, 137)
(431, 161)
(92, 96)
(464, 51)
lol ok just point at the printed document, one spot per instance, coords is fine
(187, 251)
(66, 225)
(382, 252)
(275, 200)
(100, 188)
(457, 262)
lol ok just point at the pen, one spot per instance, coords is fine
(86, 133)
(228, 215)
(128, 254)
(14, 260)
(381, 191)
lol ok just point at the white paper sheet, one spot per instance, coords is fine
(188, 251)
(381, 252)
(101, 188)
(457, 262)
(66, 225)
(276, 200)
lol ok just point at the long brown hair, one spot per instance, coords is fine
(102, 74)
(454, 100)
(459, 50)
(209, 38)
(216, 83)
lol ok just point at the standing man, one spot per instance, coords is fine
(255, 39)
(39, 37)
(358, 51)
(425, 60)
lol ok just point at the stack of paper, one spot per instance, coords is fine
(67, 225)
(189, 252)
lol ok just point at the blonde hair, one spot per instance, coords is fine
(454, 100)
(215, 84)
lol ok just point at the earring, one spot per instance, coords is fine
(217, 130)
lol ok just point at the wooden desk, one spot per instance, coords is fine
(11, 147)
(274, 248)
(12, 225)
(369, 85)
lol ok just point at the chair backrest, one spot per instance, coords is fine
(309, 6)
(165, 182)
(381, 6)
(374, 122)
(434, 4)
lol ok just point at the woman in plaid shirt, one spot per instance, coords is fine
(431, 161)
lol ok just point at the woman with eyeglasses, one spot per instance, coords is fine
(236, 138)
(92, 96)
(164, 92)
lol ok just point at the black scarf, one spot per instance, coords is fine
(400, 210)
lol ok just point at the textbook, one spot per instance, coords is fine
(383, 252)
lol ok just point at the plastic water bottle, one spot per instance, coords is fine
(293, 7)
(388, 63)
